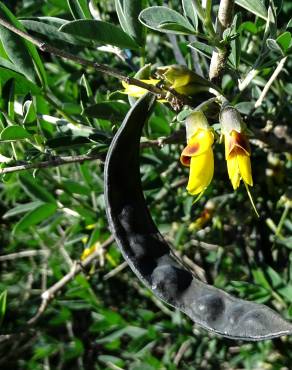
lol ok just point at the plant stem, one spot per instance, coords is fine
(282, 219)
(219, 56)
(275, 74)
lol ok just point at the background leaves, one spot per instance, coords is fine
(52, 108)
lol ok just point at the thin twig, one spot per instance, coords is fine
(175, 137)
(219, 56)
(116, 270)
(22, 254)
(275, 74)
(183, 348)
(50, 293)
(54, 162)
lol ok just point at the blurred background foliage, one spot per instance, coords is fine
(51, 108)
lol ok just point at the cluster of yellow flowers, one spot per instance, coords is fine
(198, 154)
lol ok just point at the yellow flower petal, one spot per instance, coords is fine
(198, 144)
(236, 140)
(137, 91)
(244, 165)
(233, 171)
(201, 172)
(237, 154)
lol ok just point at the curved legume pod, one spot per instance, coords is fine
(150, 257)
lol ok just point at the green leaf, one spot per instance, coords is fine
(245, 107)
(79, 9)
(249, 27)
(274, 46)
(235, 44)
(284, 40)
(8, 91)
(21, 208)
(3, 304)
(35, 216)
(30, 114)
(172, 26)
(128, 12)
(113, 360)
(190, 12)
(100, 32)
(21, 52)
(34, 189)
(52, 32)
(202, 48)
(74, 349)
(74, 187)
(111, 110)
(256, 7)
(260, 278)
(286, 292)
(275, 278)
(22, 85)
(163, 19)
(14, 132)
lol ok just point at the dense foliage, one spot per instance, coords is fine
(55, 110)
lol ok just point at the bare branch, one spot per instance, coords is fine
(54, 162)
(23, 254)
(116, 270)
(50, 293)
(275, 74)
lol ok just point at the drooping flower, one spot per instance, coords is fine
(198, 154)
(237, 149)
(237, 154)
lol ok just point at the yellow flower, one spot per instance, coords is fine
(237, 155)
(198, 154)
(237, 150)
(87, 252)
(204, 217)
(183, 80)
(137, 91)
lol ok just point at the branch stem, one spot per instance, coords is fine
(220, 55)
(275, 74)
(50, 293)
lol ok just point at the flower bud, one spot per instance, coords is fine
(230, 120)
(183, 80)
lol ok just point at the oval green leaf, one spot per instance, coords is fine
(128, 12)
(21, 52)
(14, 133)
(100, 32)
(79, 9)
(35, 216)
(157, 16)
(256, 7)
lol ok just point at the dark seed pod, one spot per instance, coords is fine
(151, 258)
